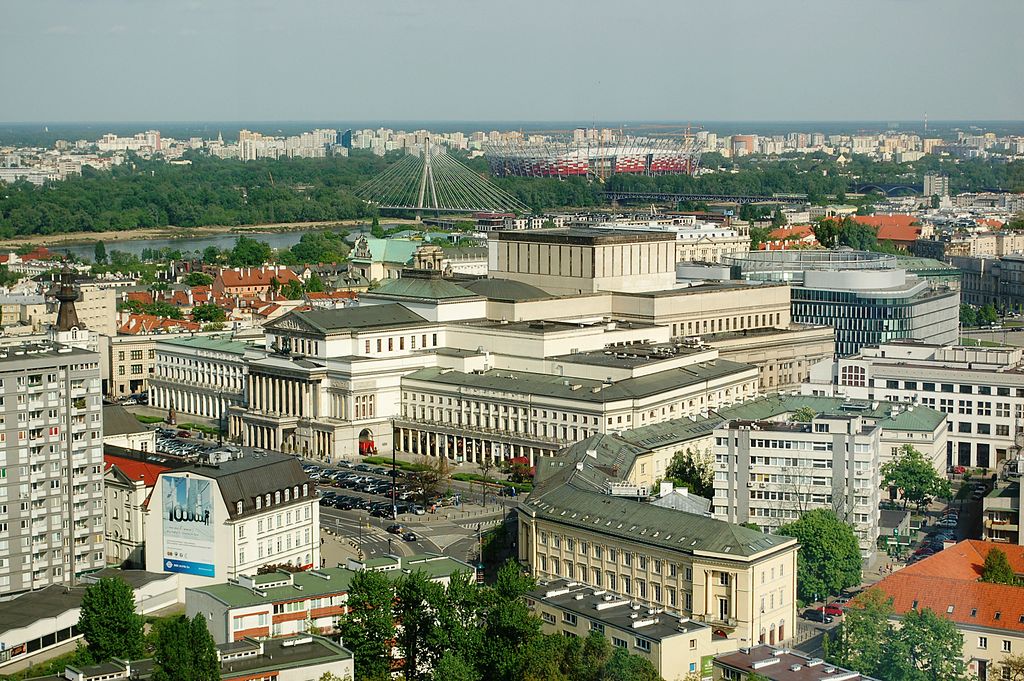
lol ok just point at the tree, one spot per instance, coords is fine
(925, 648)
(691, 468)
(860, 641)
(803, 415)
(996, 568)
(99, 252)
(369, 627)
(826, 231)
(1011, 667)
(376, 231)
(315, 284)
(453, 667)
(198, 279)
(829, 559)
(914, 477)
(208, 312)
(292, 290)
(987, 315)
(185, 651)
(857, 235)
(212, 255)
(626, 667)
(758, 236)
(778, 218)
(108, 621)
(968, 315)
(417, 600)
(249, 253)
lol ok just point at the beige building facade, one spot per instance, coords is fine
(582, 525)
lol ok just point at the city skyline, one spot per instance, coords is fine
(735, 61)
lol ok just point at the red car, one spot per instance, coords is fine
(833, 610)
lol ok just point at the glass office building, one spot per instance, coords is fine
(865, 296)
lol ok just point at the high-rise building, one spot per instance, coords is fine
(936, 185)
(51, 476)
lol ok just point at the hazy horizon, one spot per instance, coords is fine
(455, 61)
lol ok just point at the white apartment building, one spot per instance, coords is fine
(200, 375)
(770, 472)
(981, 391)
(218, 521)
(51, 473)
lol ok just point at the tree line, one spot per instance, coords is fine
(211, 191)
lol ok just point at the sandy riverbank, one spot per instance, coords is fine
(108, 238)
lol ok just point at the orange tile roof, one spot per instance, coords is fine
(990, 222)
(135, 470)
(147, 323)
(791, 232)
(256, 276)
(892, 227)
(949, 580)
(140, 296)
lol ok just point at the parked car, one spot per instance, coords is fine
(834, 610)
(416, 509)
(815, 615)
(947, 522)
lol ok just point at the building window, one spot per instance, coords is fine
(642, 644)
(619, 643)
(569, 618)
(1006, 646)
(983, 642)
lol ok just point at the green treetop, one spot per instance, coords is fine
(829, 558)
(108, 621)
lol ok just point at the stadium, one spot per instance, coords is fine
(589, 158)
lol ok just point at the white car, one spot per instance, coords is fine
(947, 522)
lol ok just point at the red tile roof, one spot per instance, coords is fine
(331, 295)
(147, 323)
(139, 296)
(947, 583)
(990, 222)
(255, 276)
(892, 227)
(134, 470)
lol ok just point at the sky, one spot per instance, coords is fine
(518, 60)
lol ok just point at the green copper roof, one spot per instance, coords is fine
(215, 343)
(426, 288)
(398, 251)
(335, 580)
(566, 494)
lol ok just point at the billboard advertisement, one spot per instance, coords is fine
(707, 667)
(188, 526)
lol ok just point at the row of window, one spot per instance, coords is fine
(401, 342)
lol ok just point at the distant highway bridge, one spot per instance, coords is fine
(705, 198)
(887, 189)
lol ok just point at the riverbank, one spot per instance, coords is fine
(110, 238)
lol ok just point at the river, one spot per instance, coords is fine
(223, 241)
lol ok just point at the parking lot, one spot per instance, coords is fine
(362, 486)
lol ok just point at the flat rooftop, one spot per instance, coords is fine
(781, 664)
(583, 236)
(628, 356)
(542, 326)
(612, 610)
(28, 351)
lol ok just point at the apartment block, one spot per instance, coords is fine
(770, 473)
(981, 391)
(51, 475)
